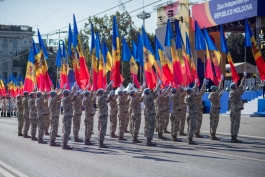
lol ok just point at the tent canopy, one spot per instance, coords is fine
(240, 68)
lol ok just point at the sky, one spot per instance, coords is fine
(51, 15)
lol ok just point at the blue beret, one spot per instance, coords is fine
(146, 91)
(66, 92)
(173, 90)
(132, 92)
(25, 93)
(189, 90)
(52, 93)
(100, 91)
(120, 92)
(19, 96)
(39, 94)
(31, 93)
(87, 93)
(233, 85)
(213, 87)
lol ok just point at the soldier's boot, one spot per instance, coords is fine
(4, 114)
(112, 135)
(20, 134)
(52, 143)
(197, 135)
(65, 146)
(126, 131)
(191, 142)
(40, 141)
(122, 138)
(135, 140)
(78, 139)
(8, 114)
(11, 113)
(213, 137)
(47, 133)
(150, 143)
(182, 134)
(175, 139)
(58, 136)
(33, 138)
(160, 136)
(88, 142)
(1, 114)
(235, 140)
(102, 145)
(165, 131)
(26, 136)
(15, 114)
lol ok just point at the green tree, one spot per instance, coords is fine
(103, 26)
(22, 62)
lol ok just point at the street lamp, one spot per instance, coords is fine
(144, 15)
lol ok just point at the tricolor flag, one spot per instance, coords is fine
(43, 57)
(224, 49)
(30, 79)
(209, 71)
(128, 57)
(150, 76)
(2, 88)
(101, 82)
(170, 42)
(250, 41)
(107, 56)
(84, 76)
(94, 60)
(38, 67)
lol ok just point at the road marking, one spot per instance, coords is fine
(13, 170)
(5, 173)
(248, 136)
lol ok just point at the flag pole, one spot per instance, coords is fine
(245, 58)
(204, 55)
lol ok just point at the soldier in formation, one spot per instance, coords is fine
(113, 113)
(19, 114)
(25, 103)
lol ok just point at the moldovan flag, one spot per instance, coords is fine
(170, 42)
(84, 76)
(224, 49)
(2, 88)
(106, 56)
(94, 60)
(43, 57)
(166, 73)
(38, 67)
(101, 82)
(250, 41)
(127, 56)
(30, 78)
(209, 72)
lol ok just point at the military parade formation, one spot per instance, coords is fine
(40, 111)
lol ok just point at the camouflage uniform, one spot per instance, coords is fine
(33, 116)
(135, 113)
(183, 111)
(102, 102)
(127, 115)
(177, 112)
(113, 113)
(149, 112)
(192, 112)
(54, 106)
(236, 107)
(47, 115)
(88, 104)
(27, 121)
(214, 97)
(20, 117)
(123, 103)
(41, 112)
(77, 107)
(199, 106)
(167, 113)
(67, 116)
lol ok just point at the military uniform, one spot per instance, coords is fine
(1, 107)
(113, 114)
(149, 112)
(88, 104)
(199, 106)
(167, 114)
(236, 107)
(54, 106)
(214, 98)
(27, 121)
(33, 117)
(123, 103)
(192, 112)
(20, 116)
(41, 113)
(47, 116)
(126, 116)
(77, 107)
(183, 112)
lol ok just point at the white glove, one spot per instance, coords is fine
(196, 81)
(76, 93)
(56, 90)
(144, 84)
(35, 87)
(112, 92)
(197, 93)
(75, 84)
(159, 82)
(110, 83)
(87, 86)
(222, 91)
(131, 86)
(245, 73)
(170, 84)
(64, 86)
(222, 77)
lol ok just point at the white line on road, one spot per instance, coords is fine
(13, 170)
(248, 136)
(5, 173)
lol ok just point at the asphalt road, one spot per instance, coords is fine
(23, 157)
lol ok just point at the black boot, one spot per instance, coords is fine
(122, 138)
(150, 143)
(213, 137)
(33, 138)
(197, 135)
(102, 145)
(88, 142)
(47, 133)
(78, 139)
(58, 136)
(65, 146)
(8, 114)
(20, 134)
(135, 140)
(11, 114)
(112, 135)
(165, 131)
(182, 134)
(126, 131)
(235, 140)
(15, 114)
(175, 139)
(40, 141)
(26, 136)
(191, 142)
(160, 136)
(2, 114)
(52, 143)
